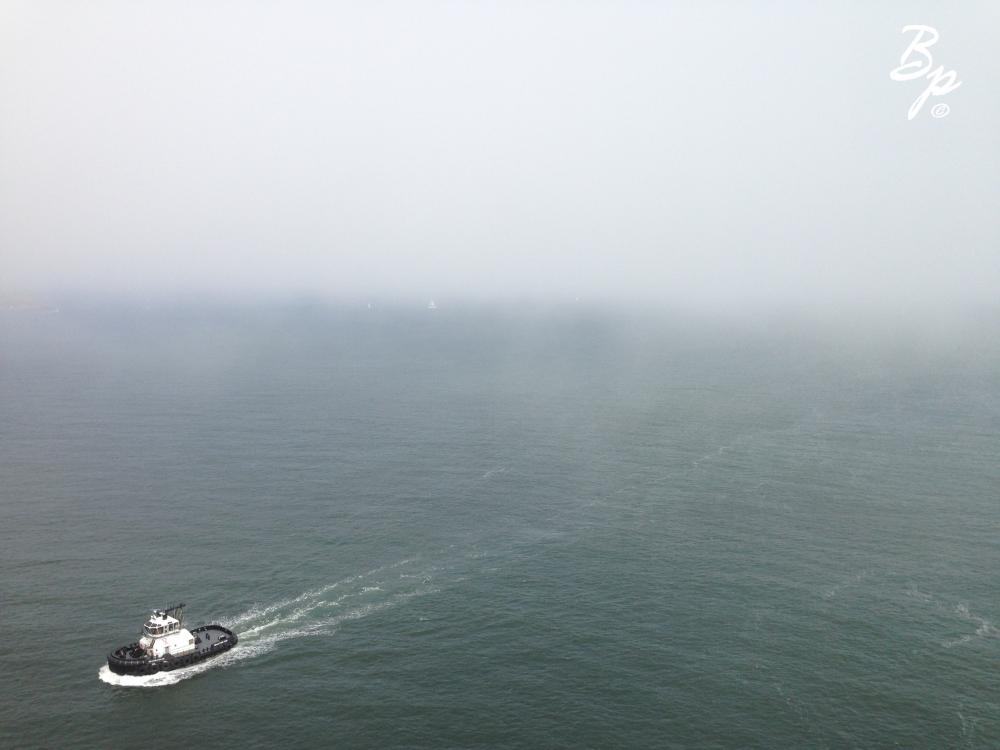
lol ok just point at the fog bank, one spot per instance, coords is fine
(701, 156)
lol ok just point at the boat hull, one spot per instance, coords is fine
(210, 641)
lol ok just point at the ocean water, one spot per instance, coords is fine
(499, 529)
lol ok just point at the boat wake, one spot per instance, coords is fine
(984, 628)
(313, 613)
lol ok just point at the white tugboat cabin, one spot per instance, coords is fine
(163, 635)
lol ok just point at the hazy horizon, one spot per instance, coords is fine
(707, 156)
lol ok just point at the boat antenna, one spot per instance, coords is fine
(178, 608)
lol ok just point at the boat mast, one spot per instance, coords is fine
(179, 610)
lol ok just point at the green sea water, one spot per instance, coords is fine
(499, 529)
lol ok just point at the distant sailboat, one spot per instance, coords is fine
(431, 305)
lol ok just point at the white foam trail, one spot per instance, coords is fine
(282, 625)
(302, 612)
(257, 611)
(984, 628)
(956, 641)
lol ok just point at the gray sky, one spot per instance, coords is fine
(715, 154)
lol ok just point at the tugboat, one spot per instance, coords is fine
(165, 645)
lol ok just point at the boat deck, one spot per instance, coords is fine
(208, 638)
